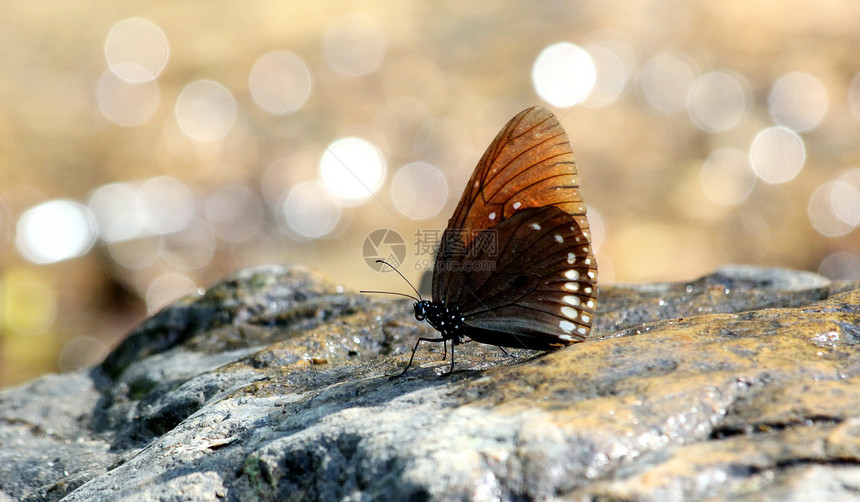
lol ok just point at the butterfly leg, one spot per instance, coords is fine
(445, 350)
(506, 352)
(416, 348)
(451, 370)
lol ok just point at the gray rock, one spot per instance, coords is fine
(274, 384)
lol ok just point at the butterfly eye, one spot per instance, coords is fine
(421, 310)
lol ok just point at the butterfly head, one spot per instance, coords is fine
(421, 309)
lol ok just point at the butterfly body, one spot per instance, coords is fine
(446, 320)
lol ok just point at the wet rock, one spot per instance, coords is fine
(274, 385)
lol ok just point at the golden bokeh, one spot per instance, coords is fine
(148, 150)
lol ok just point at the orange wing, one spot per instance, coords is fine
(529, 164)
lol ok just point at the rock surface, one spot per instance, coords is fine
(273, 384)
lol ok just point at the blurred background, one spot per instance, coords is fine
(147, 151)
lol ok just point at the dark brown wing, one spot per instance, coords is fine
(537, 289)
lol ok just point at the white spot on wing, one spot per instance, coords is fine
(590, 274)
(571, 257)
(558, 238)
(572, 300)
(535, 226)
(586, 318)
(517, 205)
(566, 326)
(565, 337)
(571, 313)
(590, 304)
(492, 216)
(571, 286)
(582, 331)
(572, 275)
(588, 290)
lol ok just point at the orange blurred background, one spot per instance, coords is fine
(146, 151)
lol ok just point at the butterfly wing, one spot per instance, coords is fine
(536, 287)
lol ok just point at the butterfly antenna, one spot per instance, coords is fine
(398, 294)
(391, 293)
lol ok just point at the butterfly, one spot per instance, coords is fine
(515, 266)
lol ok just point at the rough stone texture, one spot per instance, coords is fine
(742, 385)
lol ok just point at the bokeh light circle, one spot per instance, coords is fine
(419, 190)
(845, 202)
(716, 101)
(309, 212)
(29, 303)
(851, 177)
(205, 111)
(127, 104)
(136, 50)
(612, 73)
(352, 169)
(664, 81)
(798, 101)
(563, 74)
(280, 82)
(777, 154)
(54, 231)
(117, 210)
(167, 204)
(834, 208)
(841, 266)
